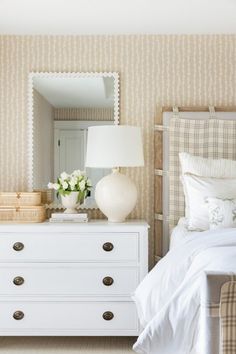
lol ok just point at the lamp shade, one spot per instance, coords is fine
(114, 146)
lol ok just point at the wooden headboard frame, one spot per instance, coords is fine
(159, 130)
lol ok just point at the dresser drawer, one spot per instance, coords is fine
(69, 316)
(67, 279)
(69, 247)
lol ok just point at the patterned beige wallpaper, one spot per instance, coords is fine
(84, 114)
(154, 70)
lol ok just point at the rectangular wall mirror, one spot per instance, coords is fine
(61, 108)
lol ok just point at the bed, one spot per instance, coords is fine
(187, 303)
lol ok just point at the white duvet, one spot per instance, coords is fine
(168, 299)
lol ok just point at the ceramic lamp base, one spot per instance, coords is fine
(116, 196)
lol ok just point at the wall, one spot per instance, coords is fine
(154, 70)
(84, 114)
(43, 168)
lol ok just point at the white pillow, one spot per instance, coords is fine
(185, 199)
(222, 213)
(197, 190)
(201, 166)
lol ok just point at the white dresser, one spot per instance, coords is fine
(71, 279)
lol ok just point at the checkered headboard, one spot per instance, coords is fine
(204, 131)
(214, 138)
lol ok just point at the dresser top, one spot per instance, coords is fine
(92, 225)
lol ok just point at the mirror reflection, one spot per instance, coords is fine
(63, 109)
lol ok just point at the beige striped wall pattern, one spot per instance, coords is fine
(154, 70)
(84, 114)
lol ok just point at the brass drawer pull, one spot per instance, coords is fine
(18, 246)
(18, 315)
(108, 281)
(108, 246)
(108, 315)
(18, 280)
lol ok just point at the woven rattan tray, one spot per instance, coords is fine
(20, 199)
(28, 214)
(46, 196)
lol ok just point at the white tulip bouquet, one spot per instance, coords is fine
(77, 181)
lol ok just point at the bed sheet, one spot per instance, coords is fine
(179, 233)
(168, 299)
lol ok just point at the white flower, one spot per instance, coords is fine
(64, 176)
(64, 185)
(76, 173)
(89, 183)
(80, 178)
(74, 179)
(82, 185)
(55, 186)
(73, 182)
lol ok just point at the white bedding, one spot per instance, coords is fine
(179, 233)
(168, 299)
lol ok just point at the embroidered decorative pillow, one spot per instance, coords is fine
(197, 190)
(222, 213)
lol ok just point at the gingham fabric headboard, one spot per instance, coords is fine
(204, 133)
(214, 138)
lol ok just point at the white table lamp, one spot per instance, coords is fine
(113, 147)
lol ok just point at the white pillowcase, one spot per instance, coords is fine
(197, 190)
(201, 166)
(222, 213)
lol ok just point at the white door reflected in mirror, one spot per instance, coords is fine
(70, 143)
(70, 151)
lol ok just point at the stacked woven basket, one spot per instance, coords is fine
(21, 207)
